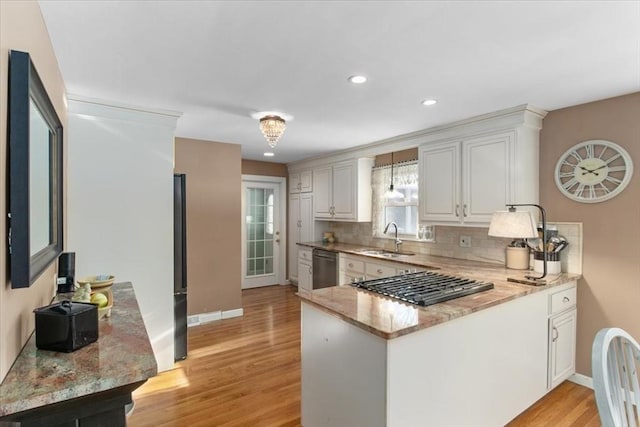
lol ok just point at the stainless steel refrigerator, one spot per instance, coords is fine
(179, 266)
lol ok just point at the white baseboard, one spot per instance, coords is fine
(582, 380)
(199, 319)
(228, 314)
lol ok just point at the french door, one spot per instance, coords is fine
(263, 241)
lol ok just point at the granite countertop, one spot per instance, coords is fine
(390, 318)
(122, 355)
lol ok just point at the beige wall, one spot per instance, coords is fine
(214, 189)
(609, 293)
(22, 28)
(398, 157)
(254, 167)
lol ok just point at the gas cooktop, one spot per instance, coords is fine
(424, 288)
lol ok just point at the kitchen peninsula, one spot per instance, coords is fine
(477, 360)
(91, 385)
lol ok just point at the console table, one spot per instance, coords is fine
(89, 387)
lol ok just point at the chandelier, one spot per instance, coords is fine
(272, 128)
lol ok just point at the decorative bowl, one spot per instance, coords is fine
(98, 281)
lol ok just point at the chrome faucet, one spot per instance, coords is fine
(398, 242)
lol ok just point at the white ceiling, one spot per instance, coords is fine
(220, 61)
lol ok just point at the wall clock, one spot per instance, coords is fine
(593, 171)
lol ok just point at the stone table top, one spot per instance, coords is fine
(390, 318)
(122, 355)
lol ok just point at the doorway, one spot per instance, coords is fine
(263, 230)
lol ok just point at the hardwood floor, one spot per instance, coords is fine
(245, 371)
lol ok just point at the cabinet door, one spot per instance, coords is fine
(306, 218)
(305, 275)
(306, 181)
(322, 178)
(440, 183)
(562, 347)
(294, 183)
(377, 270)
(294, 235)
(486, 177)
(344, 184)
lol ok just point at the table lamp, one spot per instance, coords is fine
(519, 225)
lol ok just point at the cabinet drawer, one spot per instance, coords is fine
(305, 254)
(379, 270)
(406, 269)
(562, 300)
(354, 266)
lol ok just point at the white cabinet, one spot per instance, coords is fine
(354, 268)
(377, 270)
(562, 336)
(305, 269)
(301, 182)
(342, 191)
(464, 182)
(301, 227)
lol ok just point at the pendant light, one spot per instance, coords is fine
(391, 193)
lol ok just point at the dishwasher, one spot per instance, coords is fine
(325, 269)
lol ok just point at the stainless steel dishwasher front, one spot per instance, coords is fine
(325, 269)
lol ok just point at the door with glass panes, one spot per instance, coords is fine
(260, 234)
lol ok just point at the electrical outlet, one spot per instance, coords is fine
(465, 241)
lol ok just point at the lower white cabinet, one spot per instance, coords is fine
(354, 268)
(305, 269)
(562, 336)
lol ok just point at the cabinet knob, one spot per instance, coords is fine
(379, 271)
(351, 264)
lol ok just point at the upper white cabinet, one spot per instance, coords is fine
(301, 182)
(472, 170)
(464, 182)
(342, 191)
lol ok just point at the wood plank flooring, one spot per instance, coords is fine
(245, 371)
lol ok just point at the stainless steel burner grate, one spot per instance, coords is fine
(424, 288)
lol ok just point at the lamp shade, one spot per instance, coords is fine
(513, 225)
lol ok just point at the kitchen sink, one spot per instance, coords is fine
(380, 252)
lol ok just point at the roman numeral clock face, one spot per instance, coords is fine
(593, 171)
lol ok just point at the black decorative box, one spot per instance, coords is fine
(66, 326)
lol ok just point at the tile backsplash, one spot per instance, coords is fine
(447, 242)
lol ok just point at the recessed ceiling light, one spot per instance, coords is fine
(357, 79)
(269, 154)
(428, 102)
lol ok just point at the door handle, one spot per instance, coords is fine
(555, 331)
(457, 210)
(464, 210)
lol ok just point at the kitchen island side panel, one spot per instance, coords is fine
(481, 369)
(343, 372)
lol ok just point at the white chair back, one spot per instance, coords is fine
(615, 358)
